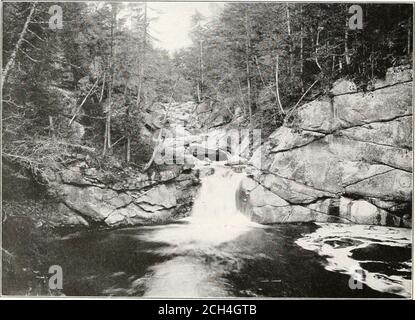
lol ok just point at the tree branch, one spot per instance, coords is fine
(12, 59)
(83, 101)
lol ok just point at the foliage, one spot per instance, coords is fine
(311, 42)
(103, 70)
(62, 80)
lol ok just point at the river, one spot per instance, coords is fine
(218, 252)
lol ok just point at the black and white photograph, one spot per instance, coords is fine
(207, 150)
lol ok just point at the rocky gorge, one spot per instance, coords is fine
(333, 182)
(346, 157)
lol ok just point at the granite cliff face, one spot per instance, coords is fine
(343, 158)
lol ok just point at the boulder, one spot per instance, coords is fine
(343, 86)
(363, 212)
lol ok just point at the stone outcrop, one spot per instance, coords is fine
(127, 198)
(345, 158)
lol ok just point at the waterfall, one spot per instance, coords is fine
(214, 218)
(214, 221)
(216, 203)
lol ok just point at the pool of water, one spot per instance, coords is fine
(260, 262)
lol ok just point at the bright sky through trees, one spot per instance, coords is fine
(172, 25)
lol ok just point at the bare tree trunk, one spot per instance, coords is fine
(288, 19)
(259, 71)
(291, 63)
(139, 89)
(242, 97)
(142, 58)
(12, 58)
(128, 156)
(83, 101)
(248, 72)
(201, 70)
(301, 99)
(103, 87)
(409, 35)
(346, 47)
(107, 145)
(277, 86)
(317, 43)
(107, 140)
(198, 93)
(301, 48)
(51, 127)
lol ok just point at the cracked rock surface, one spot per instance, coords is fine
(345, 158)
(131, 199)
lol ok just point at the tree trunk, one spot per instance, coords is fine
(107, 147)
(83, 101)
(290, 48)
(201, 70)
(277, 86)
(142, 58)
(346, 47)
(128, 156)
(12, 58)
(409, 35)
(107, 140)
(301, 48)
(242, 97)
(103, 87)
(198, 93)
(317, 44)
(248, 72)
(51, 127)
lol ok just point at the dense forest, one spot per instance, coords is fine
(103, 69)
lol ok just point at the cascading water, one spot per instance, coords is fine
(215, 220)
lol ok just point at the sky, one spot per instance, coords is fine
(173, 24)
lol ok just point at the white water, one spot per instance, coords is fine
(339, 258)
(215, 220)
